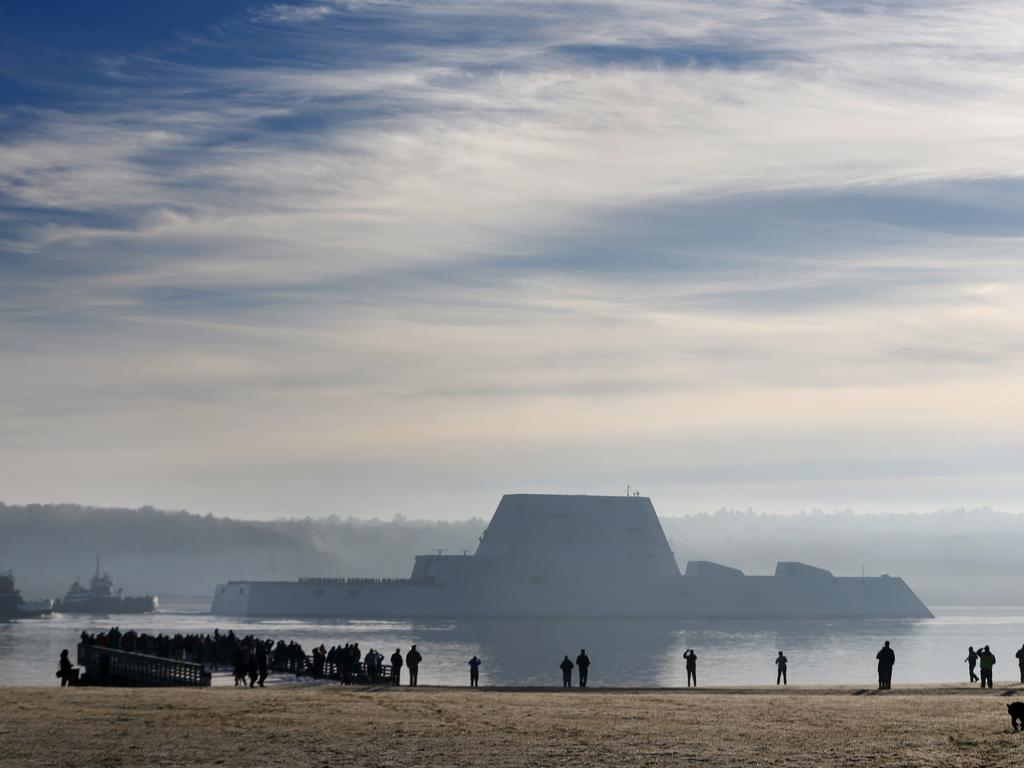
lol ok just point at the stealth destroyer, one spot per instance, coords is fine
(578, 557)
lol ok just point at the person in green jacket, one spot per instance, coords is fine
(986, 660)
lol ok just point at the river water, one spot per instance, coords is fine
(624, 653)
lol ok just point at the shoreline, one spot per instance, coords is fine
(318, 726)
(289, 683)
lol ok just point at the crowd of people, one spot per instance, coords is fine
(252, 659)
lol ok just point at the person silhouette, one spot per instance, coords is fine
(396, 667)
(1020, 662)
(566, 667)
(474, 672)
(65, 670)
(412, 661)
(972, 662)
(780, 662)
(986, 660)
(691, 667)
(886, 659)
(583, 664)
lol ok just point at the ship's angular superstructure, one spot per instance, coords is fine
(579, 557)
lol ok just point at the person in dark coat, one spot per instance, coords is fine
(396, 667)
(780, 662)
(412, 661)
(253, 668)
(886, 659)
(239, 664)
(987, 660)
(65, 670)
(261, 663)
(972, 662)
(474, 672)
(691, 667)
(1020, 662)
(583, 664)
(566, 667)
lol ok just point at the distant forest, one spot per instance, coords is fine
(950, 558)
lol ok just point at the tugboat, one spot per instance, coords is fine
(100, 597)
(12, 606)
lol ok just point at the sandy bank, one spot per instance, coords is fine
(333, 726)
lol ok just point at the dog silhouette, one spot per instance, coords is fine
(1016, 710)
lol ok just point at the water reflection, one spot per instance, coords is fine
(624, 653)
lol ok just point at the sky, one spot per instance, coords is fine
(377, 258)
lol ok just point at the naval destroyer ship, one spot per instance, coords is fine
(579, 557)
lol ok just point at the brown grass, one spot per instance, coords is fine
(332, 726)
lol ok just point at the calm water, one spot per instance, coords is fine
(623, 653)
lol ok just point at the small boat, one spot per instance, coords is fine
(13, 606)
(102, 597)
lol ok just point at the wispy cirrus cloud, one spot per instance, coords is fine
(364, 228)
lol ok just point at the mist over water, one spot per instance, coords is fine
(624, 653)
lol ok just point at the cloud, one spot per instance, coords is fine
(513, 237)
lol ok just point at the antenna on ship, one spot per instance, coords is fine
(440, 551)
(628, 494)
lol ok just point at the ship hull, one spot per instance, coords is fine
(758, 598)
(108, 605)
(9, 606)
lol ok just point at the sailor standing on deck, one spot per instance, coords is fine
(396, 667)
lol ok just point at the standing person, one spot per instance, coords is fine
(252, 668)
(583, 664)
(886, 659)
(396, 667)
(65, 671)
(1020, 662)
(239, 661)
(987, 660)
(474, 672)
(691, 667)
(566, 667)
(972, 662)
(780, 662)
(412, 661)
(261, 662)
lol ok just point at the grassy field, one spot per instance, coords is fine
(331, 726)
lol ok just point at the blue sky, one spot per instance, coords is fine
(376, 257)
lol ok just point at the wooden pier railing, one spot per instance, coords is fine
(106, 666)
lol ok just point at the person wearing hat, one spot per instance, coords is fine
(412, 661)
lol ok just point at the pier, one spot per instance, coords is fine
(107, 666)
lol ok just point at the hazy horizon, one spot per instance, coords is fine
(368, 516)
